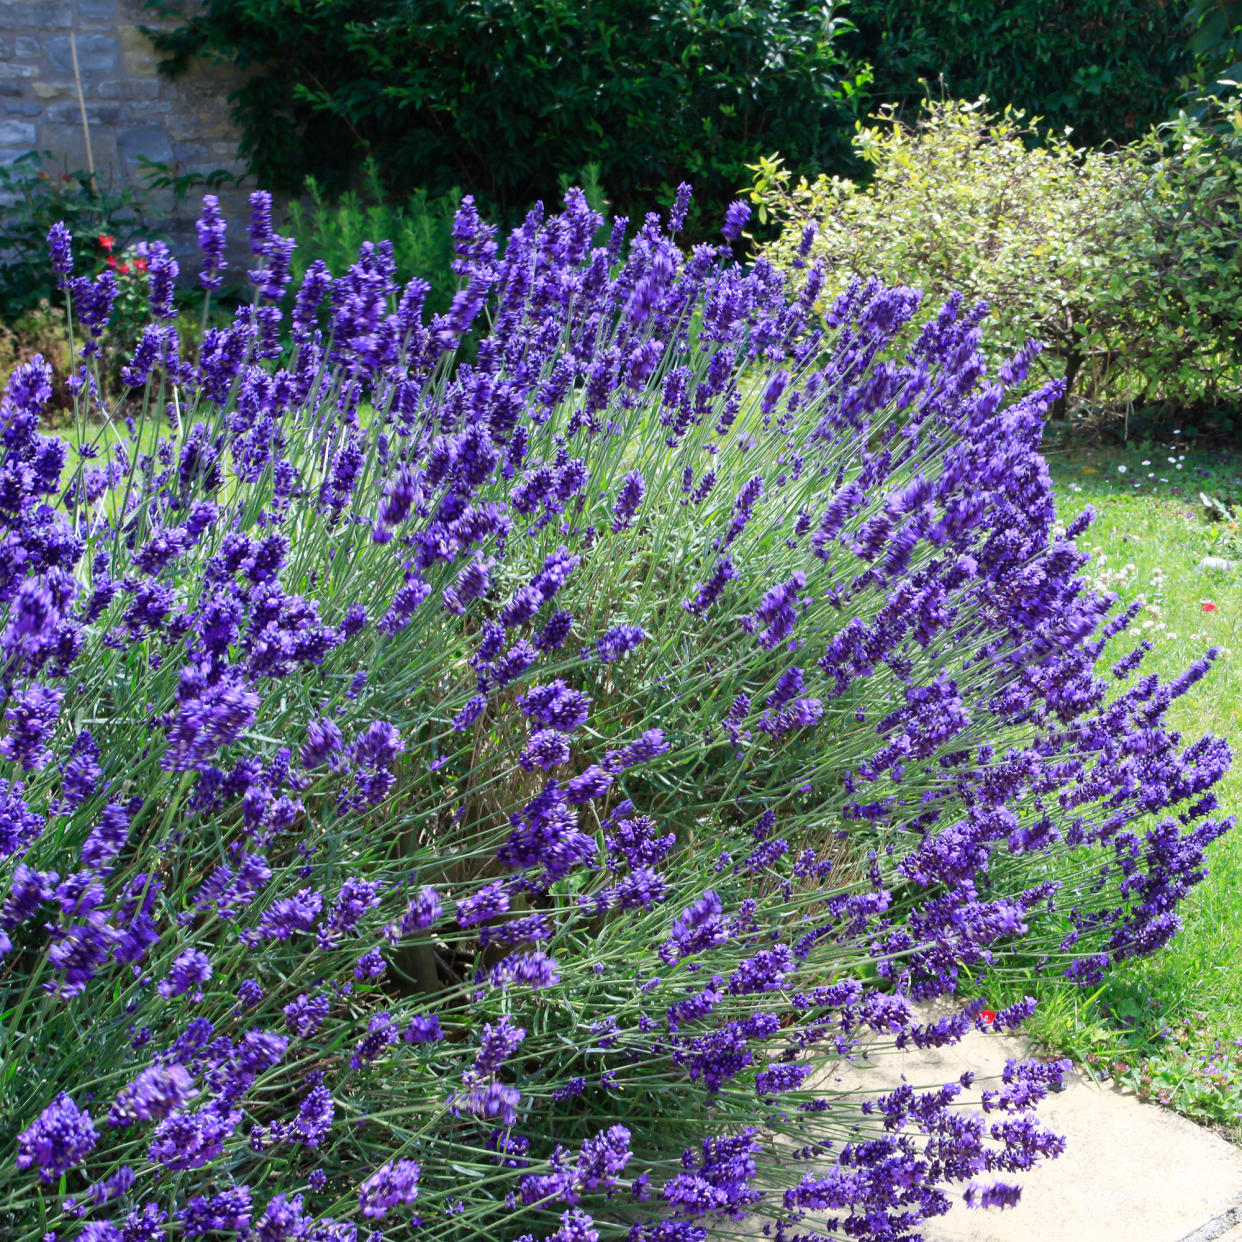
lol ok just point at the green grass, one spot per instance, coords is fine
(1166, 1026)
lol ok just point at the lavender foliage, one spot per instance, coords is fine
(541, 764)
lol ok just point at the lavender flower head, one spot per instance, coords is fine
(60, 248)
(212, 229)
(736, 217)
(628, 500)
(392, 1185)
(60, 1138)
(162, 272)
(259, 229)
(156, 1093)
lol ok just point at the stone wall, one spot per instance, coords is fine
(131, 110)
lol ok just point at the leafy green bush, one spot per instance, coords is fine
(1185, 268)
(419, 229)
(1108, 68)
(1124, 264)
(1216, 41)
(34, 199)
(505, 98)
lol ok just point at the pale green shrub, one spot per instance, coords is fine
(1123, 263)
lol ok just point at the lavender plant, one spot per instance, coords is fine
(472, 800)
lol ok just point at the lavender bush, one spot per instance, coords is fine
(471, 801)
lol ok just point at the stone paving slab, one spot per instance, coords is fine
(1231, 1234)
(1131, 1171)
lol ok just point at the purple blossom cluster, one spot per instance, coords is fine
(416, 757)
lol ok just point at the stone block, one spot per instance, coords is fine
(53, 13)
(10, 69)
(17, 107)
(103, 148)
(148, 141)
(139, 11)
(182, 128)
(127, 88)
(141, 59)
(69, 149)
(43, 15)
(18, 134)
(191, 156)
(96, 53)
(148, 110)
(59, 138)
(10, 90)
(98, 12)
(27, 48)
(49, 90)
(6, 48)
(67, 112)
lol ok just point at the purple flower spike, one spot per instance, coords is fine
(60, 248)
(156, 1093)
(32, 720)
(423, 1029)
(392, 1185)
(736, 217)
(260, 228)
(211, 228)
(619, 641)
(628, 500)
(546, 749)
(681, 205)
(190, 970)
(534, 970)
(61, 1138)
(162, 273)
(576, 1226)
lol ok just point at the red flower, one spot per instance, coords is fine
(987, 1016)
(1209, 607)
(140, 265)
(106, 242)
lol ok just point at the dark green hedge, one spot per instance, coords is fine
(1108, 68)
(501, 97)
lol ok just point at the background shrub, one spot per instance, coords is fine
(1124, 264)
(35, 199)
(419, 230)
(1107, 69)
(1183, 267)
(505, 98)
(1216, 43)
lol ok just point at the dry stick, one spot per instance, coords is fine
(86, 129)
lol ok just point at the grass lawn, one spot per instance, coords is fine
(1167, 1026)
